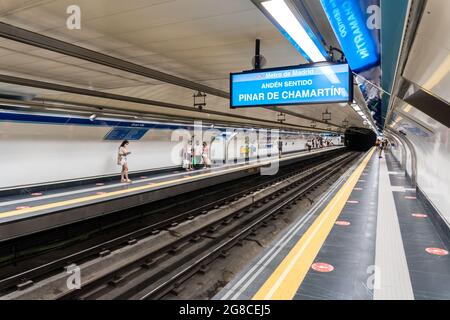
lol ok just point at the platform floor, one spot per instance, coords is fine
(369, 237)
(43, 202)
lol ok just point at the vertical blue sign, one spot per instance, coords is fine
(350, 28)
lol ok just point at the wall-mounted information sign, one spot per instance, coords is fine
(308, 84)
(123, 133)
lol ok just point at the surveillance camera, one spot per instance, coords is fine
(93, 117)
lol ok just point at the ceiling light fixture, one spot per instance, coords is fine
(294, 30)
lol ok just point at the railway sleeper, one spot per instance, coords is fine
(24, 285)
(148, 264)
(175, 249)
(196, 239)
(104, 253)
(203, 269)
(177, 288)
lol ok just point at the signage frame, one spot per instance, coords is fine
(301, 66)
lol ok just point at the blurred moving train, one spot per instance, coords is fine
(44, 148)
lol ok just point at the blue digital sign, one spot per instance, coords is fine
(307, 84)
(350, 28)
(123, 133)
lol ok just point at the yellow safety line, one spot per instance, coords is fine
(288, 276)
(95, 197)
(53, 205)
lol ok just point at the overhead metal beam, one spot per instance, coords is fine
(294, 114)
(68, 106)
(111, 96)
(41, 41)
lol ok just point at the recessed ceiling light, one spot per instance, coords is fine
(279, 10)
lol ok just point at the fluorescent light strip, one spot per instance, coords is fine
(287, 20)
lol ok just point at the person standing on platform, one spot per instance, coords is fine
(122, 161)
(247, 150)
(308, 145)
(280, 148)
(377, 143)
(381, 147)
(205, 156)
(198, 151)
(187, 157)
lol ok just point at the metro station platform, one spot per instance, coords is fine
(371, 236)
(36, 211)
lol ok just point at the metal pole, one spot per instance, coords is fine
(257, 54)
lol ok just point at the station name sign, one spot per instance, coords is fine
(307, 84)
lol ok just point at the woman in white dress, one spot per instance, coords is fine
(122, 161)
(205, 156)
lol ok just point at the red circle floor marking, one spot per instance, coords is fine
(322, 267)
(22, 207)
(353, 201)
(342, 223)
(437, 251)
(99, 184)
(419, 215)
(143, 177)
(36, 194)
(100, 193)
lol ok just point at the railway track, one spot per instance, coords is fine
(106, 233)
(169, 252)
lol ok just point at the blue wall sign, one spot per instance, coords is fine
(350, 28)
(308, 84)
(122, 133)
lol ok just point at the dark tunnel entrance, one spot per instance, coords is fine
(359, 139)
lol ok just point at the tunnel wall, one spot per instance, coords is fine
(432, 148)
(359, 139)
(38, 153)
